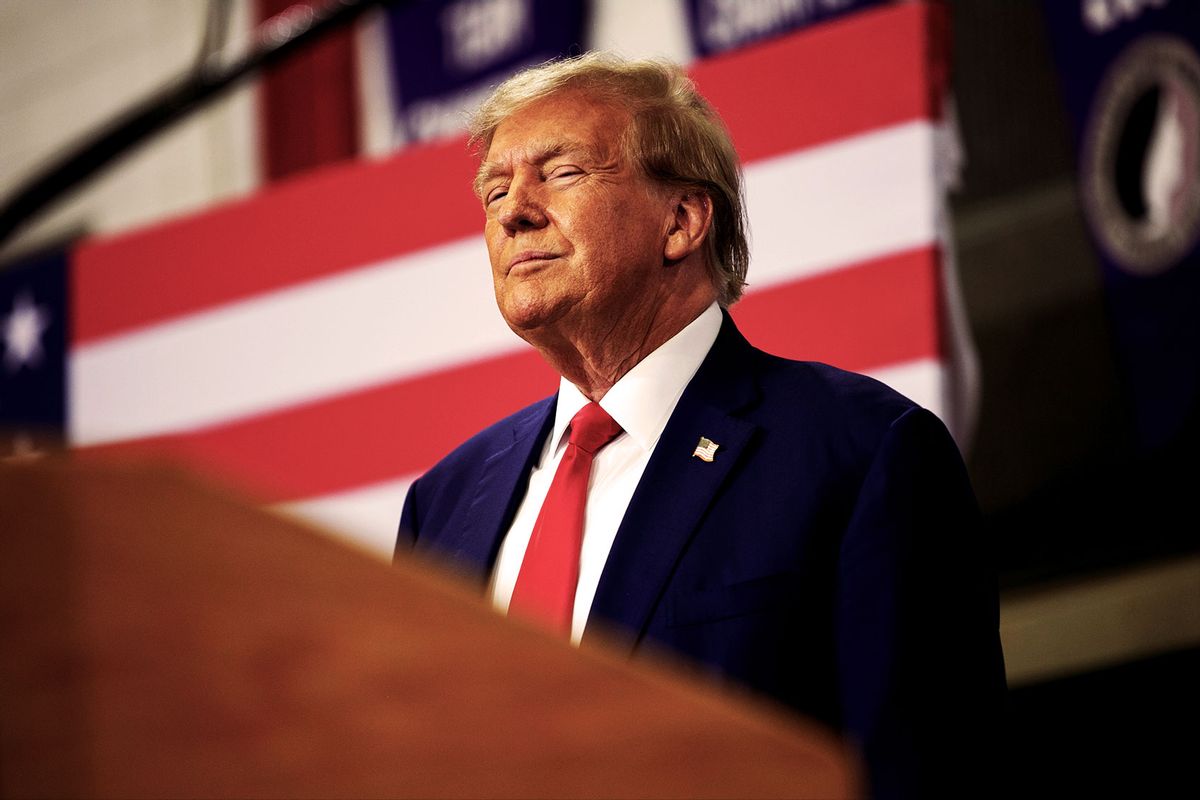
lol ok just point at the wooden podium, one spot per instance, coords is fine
(162, 639)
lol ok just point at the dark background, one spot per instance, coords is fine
(1065, 491)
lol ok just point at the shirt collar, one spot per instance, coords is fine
(642, 400)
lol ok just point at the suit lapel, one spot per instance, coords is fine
(499, 491)
(677, 488)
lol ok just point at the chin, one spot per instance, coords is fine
(530, 321)
(531, 306)
(523, 317)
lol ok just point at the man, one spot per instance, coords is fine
(797, 529)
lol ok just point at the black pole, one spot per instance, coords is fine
(276, 39)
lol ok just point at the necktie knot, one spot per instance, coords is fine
(592, 428)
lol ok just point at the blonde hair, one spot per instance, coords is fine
(675, 138)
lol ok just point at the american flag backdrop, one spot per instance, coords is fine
(324, 342)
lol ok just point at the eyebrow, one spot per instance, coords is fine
(536, 154)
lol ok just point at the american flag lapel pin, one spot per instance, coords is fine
(705, 450)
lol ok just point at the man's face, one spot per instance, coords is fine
(575, 232)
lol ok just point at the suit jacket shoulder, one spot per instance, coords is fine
(802, 404)
(847, 404)
(480, 477)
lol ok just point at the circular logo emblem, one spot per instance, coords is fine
(1141, 156)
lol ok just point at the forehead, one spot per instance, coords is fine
(571, 119)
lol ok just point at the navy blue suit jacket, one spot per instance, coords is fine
(829, 557)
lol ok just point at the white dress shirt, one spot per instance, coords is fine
(641, 402)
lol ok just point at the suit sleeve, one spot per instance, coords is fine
(921, 673)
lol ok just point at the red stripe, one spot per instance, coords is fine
(879, 312)
(358, 438)
(865, 316)
(347, 215)
(855, 74)
(849, 76)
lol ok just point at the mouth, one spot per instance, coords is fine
(530, 259)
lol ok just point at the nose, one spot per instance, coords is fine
(523, 207)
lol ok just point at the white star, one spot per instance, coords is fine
(23, 331)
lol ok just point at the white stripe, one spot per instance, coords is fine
(855, 199)
(340, 333)
(812, 211)
(366, 516)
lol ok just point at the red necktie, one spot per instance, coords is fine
(545, 589)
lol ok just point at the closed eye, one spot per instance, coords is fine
(495, 194)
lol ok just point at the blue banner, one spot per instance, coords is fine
(448, 54)
(33, 346)
(1130, 73)
(720, 25)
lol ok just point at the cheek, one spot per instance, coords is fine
(495, 245)
(595, 230)
(630, 248)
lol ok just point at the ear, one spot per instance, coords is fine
(689, 225)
